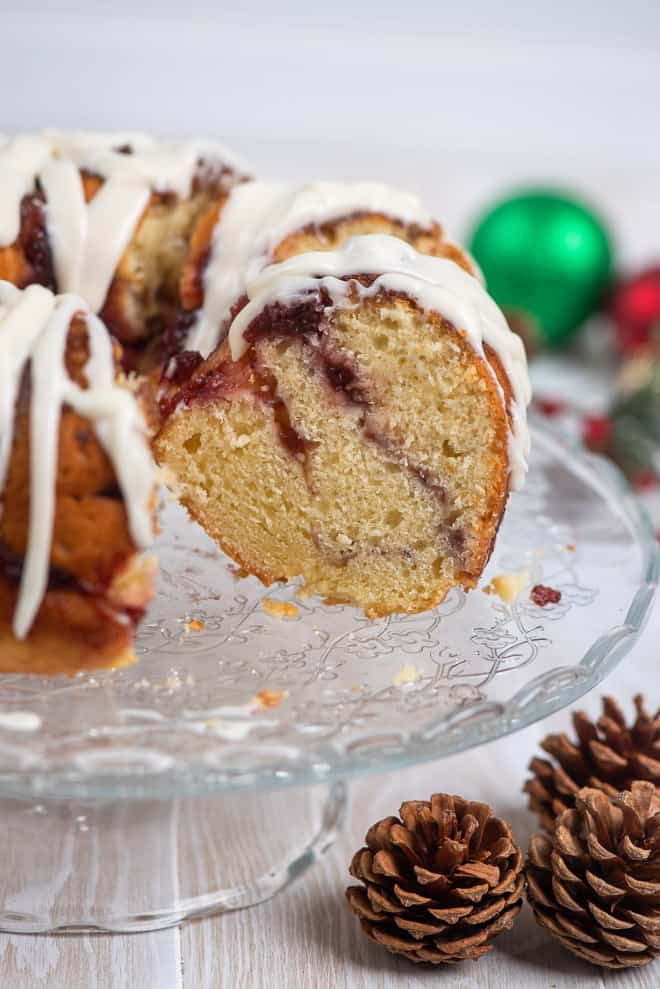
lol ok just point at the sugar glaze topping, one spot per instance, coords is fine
(260, 215)
(435, 284)
(34, 326)
(88, 239)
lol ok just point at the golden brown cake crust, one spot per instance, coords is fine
(144, 294)
(86, 619)
(28, 261)
(313, 237)
(73, 631)
(87, 501)
(329, 236)
(191, 288)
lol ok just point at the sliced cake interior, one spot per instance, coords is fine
(350, 434)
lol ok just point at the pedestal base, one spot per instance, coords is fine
(144, 865)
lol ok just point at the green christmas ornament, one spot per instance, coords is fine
(547, 261)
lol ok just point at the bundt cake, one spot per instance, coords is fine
(359, 427)
(77, 492)
(259, 223)
(340, 401)
(109, 217)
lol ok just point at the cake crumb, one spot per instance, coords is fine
(508, 586)
(280, 609)
(194, 625)
(237, 572)
(269, 698)
(542, 595)
(570, 547)
(165, 477)
(407, 674)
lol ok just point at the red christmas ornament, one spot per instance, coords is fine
(635, 309)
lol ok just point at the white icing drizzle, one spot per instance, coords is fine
(34, 325)
(165, 167)
(258, 216)
(88, 240)
(20, 160)
(112, 217)
(435, 284)
(66, 221)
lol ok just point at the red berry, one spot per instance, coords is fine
(542, 595)
(550, 407)
(597, 432)
(645, 479)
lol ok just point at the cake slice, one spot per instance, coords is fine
(258, 223)
(360, 426)
(77, 493)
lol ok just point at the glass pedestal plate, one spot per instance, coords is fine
(209, 774)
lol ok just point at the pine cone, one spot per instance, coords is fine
(595, 883)
(440, 883)
(608, 755)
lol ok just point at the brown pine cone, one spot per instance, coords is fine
(607, 755)
(440, 883)
(595, 883)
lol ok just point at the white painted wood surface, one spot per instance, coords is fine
(307, 937)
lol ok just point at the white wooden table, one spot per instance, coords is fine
(307, 937)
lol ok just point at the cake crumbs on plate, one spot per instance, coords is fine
(280, 609)
(407, 674)
(167, 480)
(238, 572)
(570, 547)
(269, 698)
(542, 595)
(508, 586)
(194, 625)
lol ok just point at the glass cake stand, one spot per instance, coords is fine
(136, 798)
